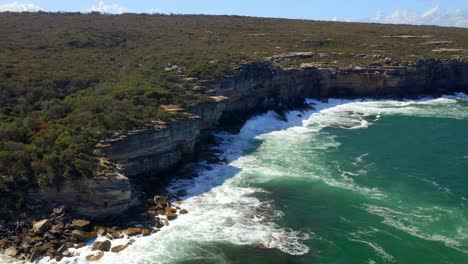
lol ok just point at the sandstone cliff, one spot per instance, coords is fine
(254, 87)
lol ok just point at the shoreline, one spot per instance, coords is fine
(295, 120)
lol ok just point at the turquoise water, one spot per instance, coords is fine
(352, 182)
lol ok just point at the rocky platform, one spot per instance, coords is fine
(59, 235)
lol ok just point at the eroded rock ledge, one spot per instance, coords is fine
(256, 86)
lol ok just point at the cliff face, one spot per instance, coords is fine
(99, 197)
(255, 86)
(427, 77)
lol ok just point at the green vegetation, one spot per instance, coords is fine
(70, 80)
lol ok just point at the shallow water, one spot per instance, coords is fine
(352, 182)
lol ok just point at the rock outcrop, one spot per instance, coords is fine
(99, 197)
(255, 87)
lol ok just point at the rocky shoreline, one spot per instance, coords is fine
(59, 235)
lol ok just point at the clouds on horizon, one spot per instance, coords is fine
(434, 16)
(20, 7)
(108, 8)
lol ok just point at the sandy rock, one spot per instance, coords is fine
(83, 236)
(133, 231)
(170, 215)
(95, 257)
(11, 251)
(41, 226)
(145, 232)
(119, 248)
(80, 224)
(100, 231)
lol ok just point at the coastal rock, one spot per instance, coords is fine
(35, 254)
(102, 245)
(11, 251)
(100, 231)
(94, 198)
(41, 226)
(170, 215)
(119, 248)
(133, 231)
(83, 236)
(81, 224)
(145, 232)
(183, 211)
(95, 257)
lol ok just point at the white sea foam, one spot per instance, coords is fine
(378, 250)
(416, 223)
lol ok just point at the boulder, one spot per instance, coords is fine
(170, 215)
(80, 224)
(41, 226)
(102, 245)
(35, 254)
(183, 211)
(170, 209)
(114, 235)
(119, 248)
(133, 231)
(95, 257)
(56, 229)
(159, 199)
(11, 251)
(145, 232)
(260, 245)
(83, 236)
(101, 231)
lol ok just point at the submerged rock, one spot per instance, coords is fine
(95, 257)
(182, 193)
(119, 248)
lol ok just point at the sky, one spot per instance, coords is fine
(419, 12)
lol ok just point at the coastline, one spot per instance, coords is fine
(256, 89)
(206, 180)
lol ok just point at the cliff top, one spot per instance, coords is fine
(68, 80)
